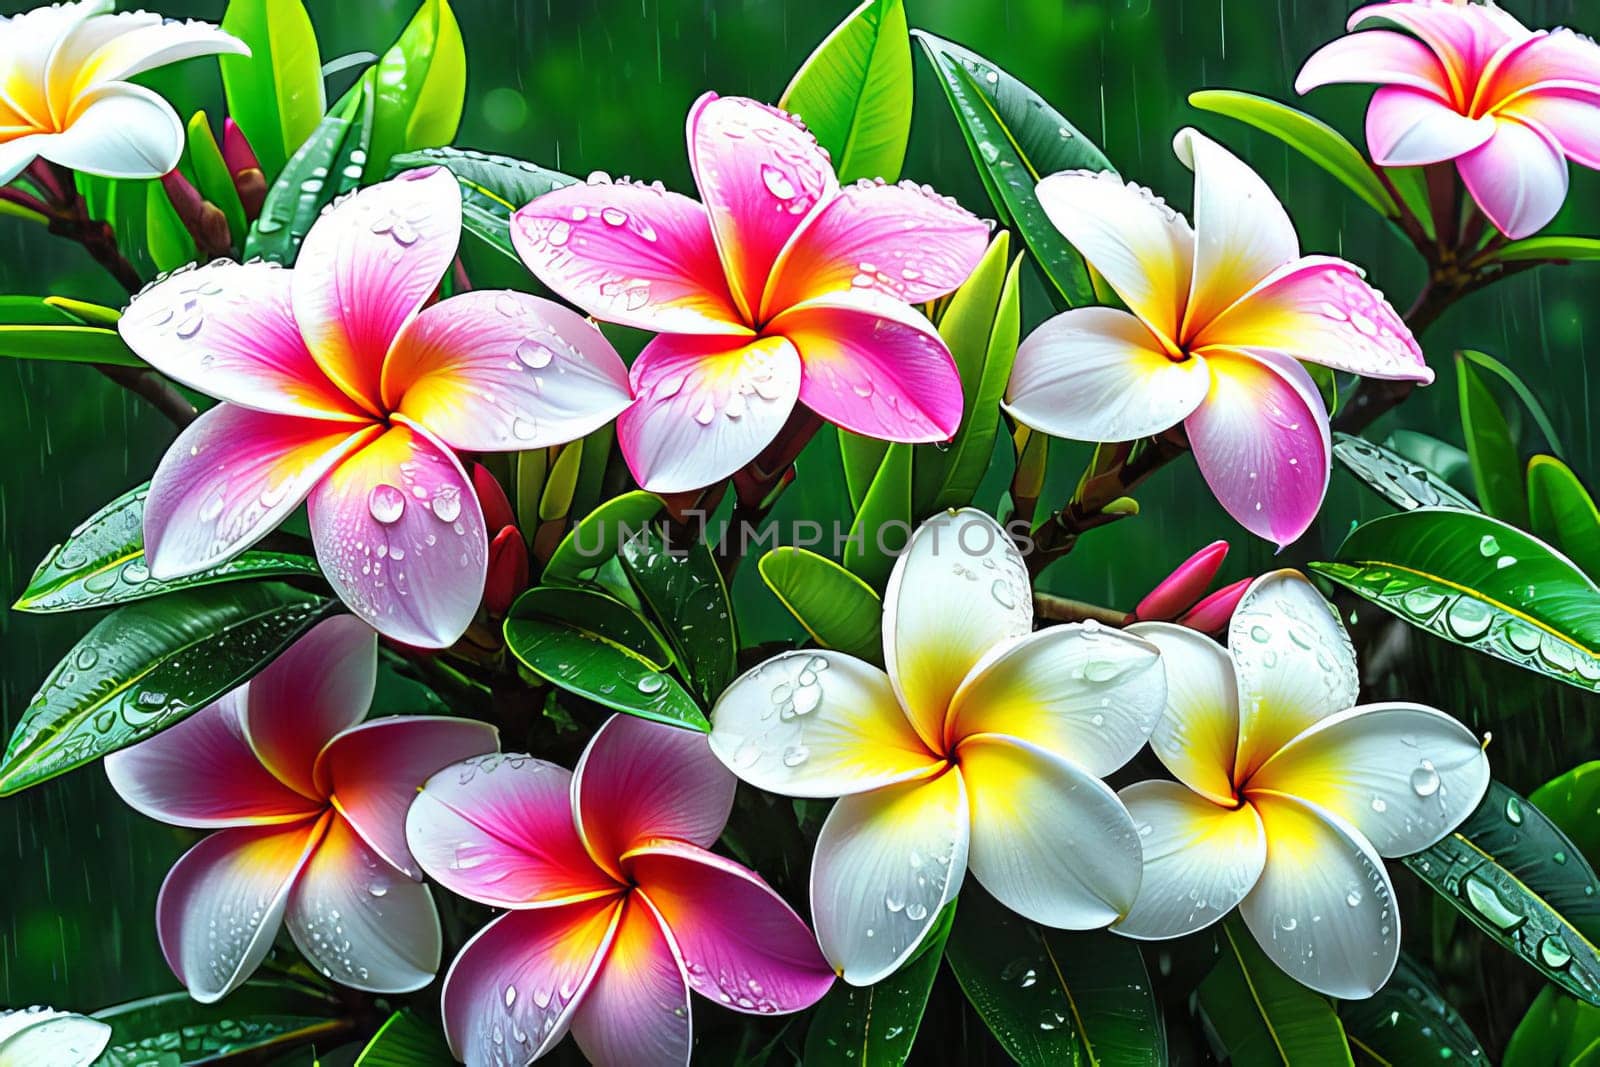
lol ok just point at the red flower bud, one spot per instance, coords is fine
(204, 220)
(236, 151)
(508, 570)
(496, 505)
(1184, 585)
(1211, 615)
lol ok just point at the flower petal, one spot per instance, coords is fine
(1200, 859)
(131, 43)
(360, 921)
(367, 266)
(814, 723)
(222, 902)
(1142, 248)
(1184, 587)
(1078, 868)
(904, 241)
(706, 406)
(1323, 909)
(30, 38)
(232, 476)
(399, 534)
(874, 366)
(1080, 691)
(1518, 177)
(639, 780)
(1198, 734)
(498, 371)
(1404, 775)
(629, 253)
(1261, 440)
(498, 829)
(373, 771)
(226, 329)
(1557, 59)
(636, 1012)
(886, 862)
(1463, 36)
(1570, 117)
(1382, 57)
(760, 174)
(1409, 127)
(118, 131)
(742, 945)
(522, 978)
(1098, 374)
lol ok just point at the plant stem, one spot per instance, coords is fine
(1065, 609)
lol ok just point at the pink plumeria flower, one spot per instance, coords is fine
(309, 807)
(782, 288)
(983, 745)
(1288, 795)
(615, 908)
(1178, 591)
(1472, 85)
(1219, 316)
(339, 386)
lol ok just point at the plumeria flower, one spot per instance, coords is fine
(1467, 83)
(983, 745)
(615, 908)
(41, 1035)
(1219, 316)
(1288, 795)
(308, 804)
(339, 386)
(66, 94)
(782, 288)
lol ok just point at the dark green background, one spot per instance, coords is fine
(597, 84)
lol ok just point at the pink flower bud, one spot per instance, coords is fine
(496, 505)
(1211, 615)
(236, 151)
(508, 570)
(1184, 585)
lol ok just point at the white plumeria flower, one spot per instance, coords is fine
(1287, 795)
(65, 93)
(40, 1035)
(983, 745)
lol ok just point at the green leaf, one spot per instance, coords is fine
(211, 175)
(149, 665)
(854, 92)
(1409, 1021)
(1016, 138)
(1480, 583)
(1572, 802)
(1561, 511)
(837, 609)
(1445, 460)
(257, 1017)
(1513, 872)
(406, 1040)
(883, 525)
(1403, 483)
(1556, 1029)
(599, 534)
(321, 169)
(168, 239)
(589, 644)
(492, 188)
(1411, 186)
(1054, 997)
(1496, 462)
(685, 595)
(102, 563)
(1327, 383)
(861, 456)
(1310, 136)
(1505, 374)
(422, 85)
(1557, 248)
(35, 328)
(876, 1025)
(1260, 1015)
(275, 93)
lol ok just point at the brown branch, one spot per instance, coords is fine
(1065, 609)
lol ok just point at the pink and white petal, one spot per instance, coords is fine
(874, 366)
(1380, 57)
(321, 685)
(1571, 117)
(522, 978)
(372, 772)
(639, 780)
(629, 253)
(706, 406)
(498, 371)
(904, 241)
(1098, 374)
(226, 329)
(1321, 310)
(1554, 60)
(1080, 691)
(1143, 248)
(1464, 36)
(1409, 127)
(361, 922)
(886, 862)
(1261, 440)
(118, 131)
(1404, 775)
(222, 902)
(231, 477)
(636, 1012)
(760, 174)
(1198, 734)
(367, 266)
(1323, 909)
(1200, 859)
(815, 723)
(1518, 177)
(399, 533)
(1039, 867)
(741, 944)
(203, 773)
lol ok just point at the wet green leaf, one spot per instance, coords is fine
(1572, 802)
(1561, 511)
(599, 534)
(326, 165)
(167, 238)
(861, 457)
(1403, 483)
(685, 595)
(1449, 463)
(275, 93)
(1496, 461)
(837, 609)
(259, 1016)
(1556, 1029)
(1561, 249)
(421, 87)
(33, 328)
(1263, 1017)
(211, 175)
(1409, 1021)
(883, 525)
(1492, 369)
(406, 1040)
(492, 188)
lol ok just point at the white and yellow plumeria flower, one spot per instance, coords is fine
(65, 93)
(1287, 795)
(983, 745)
